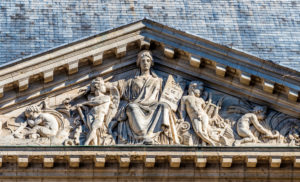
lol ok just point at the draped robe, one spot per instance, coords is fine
(145, 116)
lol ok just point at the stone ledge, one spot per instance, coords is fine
(149, 155)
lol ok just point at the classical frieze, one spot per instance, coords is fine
(148, 107)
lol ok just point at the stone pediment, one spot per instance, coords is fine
(104, 90)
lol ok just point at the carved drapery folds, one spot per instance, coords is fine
(150, 109)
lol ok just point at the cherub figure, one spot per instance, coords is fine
(253, 118)
(101, 109)
(194, 106)
(293, 137)
(42, 124)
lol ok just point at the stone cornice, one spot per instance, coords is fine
(267, 81)
(149, 155)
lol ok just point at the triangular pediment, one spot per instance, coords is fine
(232, 79)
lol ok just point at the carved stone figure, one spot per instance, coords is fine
(143, 119)
(194, 105)
(143, 109)
(100, 105)
(254, 118)
(103, 108)
(42, 124)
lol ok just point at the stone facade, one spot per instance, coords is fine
(148, 95)
(267, 29)
(139, 163)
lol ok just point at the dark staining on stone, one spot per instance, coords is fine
(131, 8)
(3, 8)
(19, 5)
(30, 38)
(148, 7)
(179, 9)
(8, 35)
(86, 27)
(18, 16)
(71, 7)
(30, 10)
(80, 13)
(263, 7)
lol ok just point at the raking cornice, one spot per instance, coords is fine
(261, 80)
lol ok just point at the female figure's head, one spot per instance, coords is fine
(196, 88)
(144, 61)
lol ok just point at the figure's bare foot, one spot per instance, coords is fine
(33, 136)
(237, 143)
(18, 135)
(148, 141)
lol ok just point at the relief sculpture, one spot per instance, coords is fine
(210, 128)
(194, 106)
(98, 117)
(143, 119)
(149, 108)
(38, 126)
(253, 118)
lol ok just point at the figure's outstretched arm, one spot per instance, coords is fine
(85, 91)
(259, 127)
(95, 103)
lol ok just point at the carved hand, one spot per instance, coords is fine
(83, 91)
(79, 105)
(269, 134)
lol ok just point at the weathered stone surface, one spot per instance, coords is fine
(124, 161)
(195, 62)
(97, 115)
(200, 162)
(251, 161)
(101, 91)
(48, 161)
(174, 161)
(226, 161)
(99, 161)
(74, 161)
(217, 167)
(275, 162)
(150, 161)
(245, 78)
(22, 161)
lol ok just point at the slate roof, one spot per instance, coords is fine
(268, 29)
